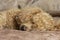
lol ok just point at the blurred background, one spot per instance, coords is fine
(50, 6)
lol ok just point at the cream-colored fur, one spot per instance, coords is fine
(7, 18)
(34, 18)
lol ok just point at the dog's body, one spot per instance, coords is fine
(7, 18)
(33, 18)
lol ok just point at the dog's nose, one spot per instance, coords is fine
(23, 28)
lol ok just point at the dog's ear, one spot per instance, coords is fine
(17, 19)
(17, 22)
